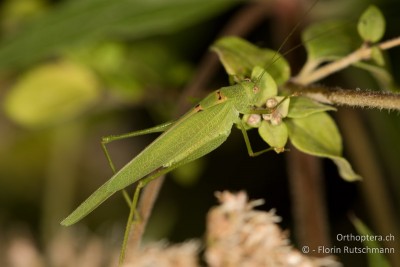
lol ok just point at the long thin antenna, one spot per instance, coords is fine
(294, 29)
(314, 37)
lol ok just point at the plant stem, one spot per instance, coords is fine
(348, 97)
(145, 207)
(374, 189)
(363, 53)
(308, 199)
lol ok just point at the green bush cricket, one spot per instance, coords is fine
(201, 130)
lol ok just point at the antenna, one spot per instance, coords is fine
(294, 29)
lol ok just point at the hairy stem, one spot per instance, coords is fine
(348, 97)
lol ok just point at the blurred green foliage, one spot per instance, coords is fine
(374, 259)
(74, 22)
(51, 93)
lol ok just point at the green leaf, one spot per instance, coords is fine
(283, 105)
(371, 25)
(275, 135)
(329, 40)
(318, 135)
(266, 84)
(374, 259)
(51, 94)
(301, 107)
(377, 56)
(73, 22)
(239, 57)
(344, 168)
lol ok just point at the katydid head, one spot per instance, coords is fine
(261, 87)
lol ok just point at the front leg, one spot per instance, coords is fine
(247, 141)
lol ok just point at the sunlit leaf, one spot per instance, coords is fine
(51, 94)
(318, 135)
(371, 25)
(239, 57)
(275, 135)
